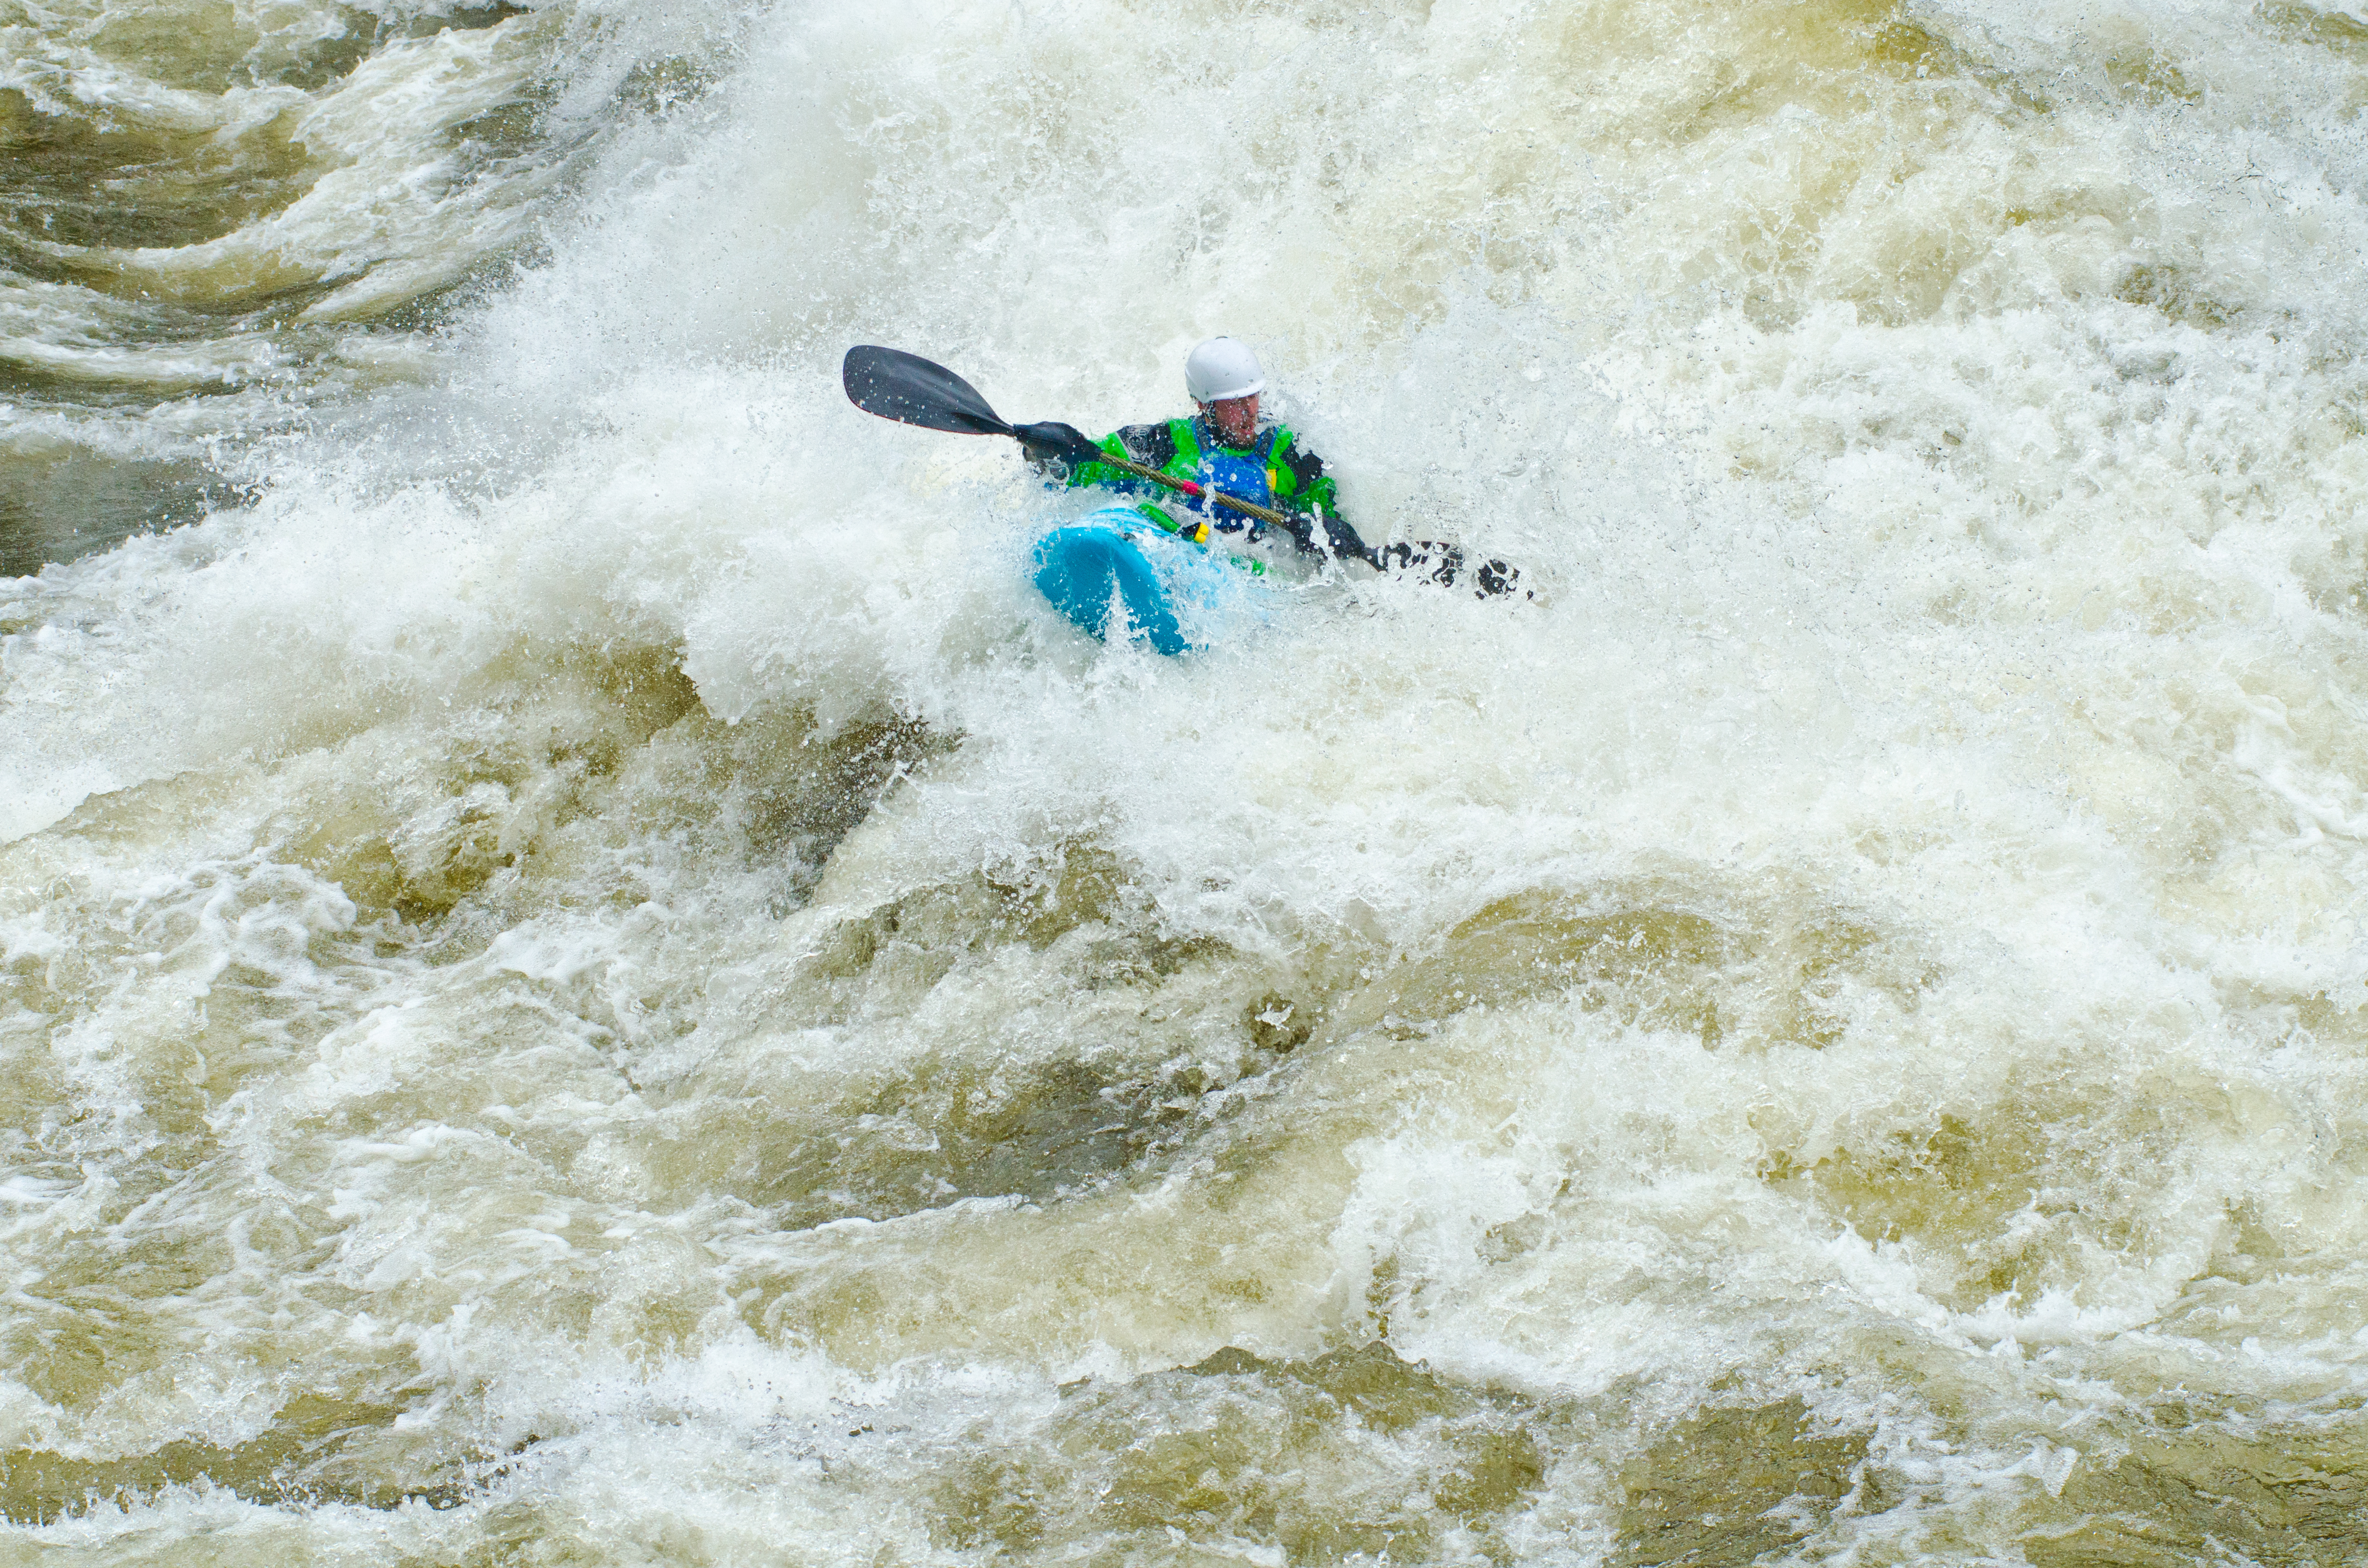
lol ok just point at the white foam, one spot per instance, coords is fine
(1878, 932)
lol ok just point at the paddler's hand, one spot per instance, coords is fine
(1054, 442)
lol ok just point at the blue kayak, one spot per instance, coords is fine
(1175, 593)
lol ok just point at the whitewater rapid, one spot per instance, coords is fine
(586, 974)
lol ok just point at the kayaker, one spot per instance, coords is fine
(1086, 567)
(1225, 449)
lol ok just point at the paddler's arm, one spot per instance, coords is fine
(1150, 445)
(1301, 486)
(1303, 489)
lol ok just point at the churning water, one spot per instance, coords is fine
(589, 977)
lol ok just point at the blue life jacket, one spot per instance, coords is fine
(1245, 475)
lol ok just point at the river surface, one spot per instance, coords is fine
(588, 976)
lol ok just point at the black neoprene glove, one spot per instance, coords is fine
(1340, 539)
(1054, 442)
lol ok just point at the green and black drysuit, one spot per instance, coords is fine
(1273, 470)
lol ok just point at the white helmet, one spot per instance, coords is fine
(1222, 368)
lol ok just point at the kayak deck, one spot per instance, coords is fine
(1170, 592)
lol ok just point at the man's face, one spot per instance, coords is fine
(1234, 417)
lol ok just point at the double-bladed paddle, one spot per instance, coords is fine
(912, 390)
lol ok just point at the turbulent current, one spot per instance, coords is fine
(588, 974)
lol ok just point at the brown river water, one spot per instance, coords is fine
(587, 975)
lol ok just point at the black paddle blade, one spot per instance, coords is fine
(911, 390)
(1494, 579)
(1053, 439)
(1428, 560)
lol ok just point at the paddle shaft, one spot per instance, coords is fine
(1200, 491)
